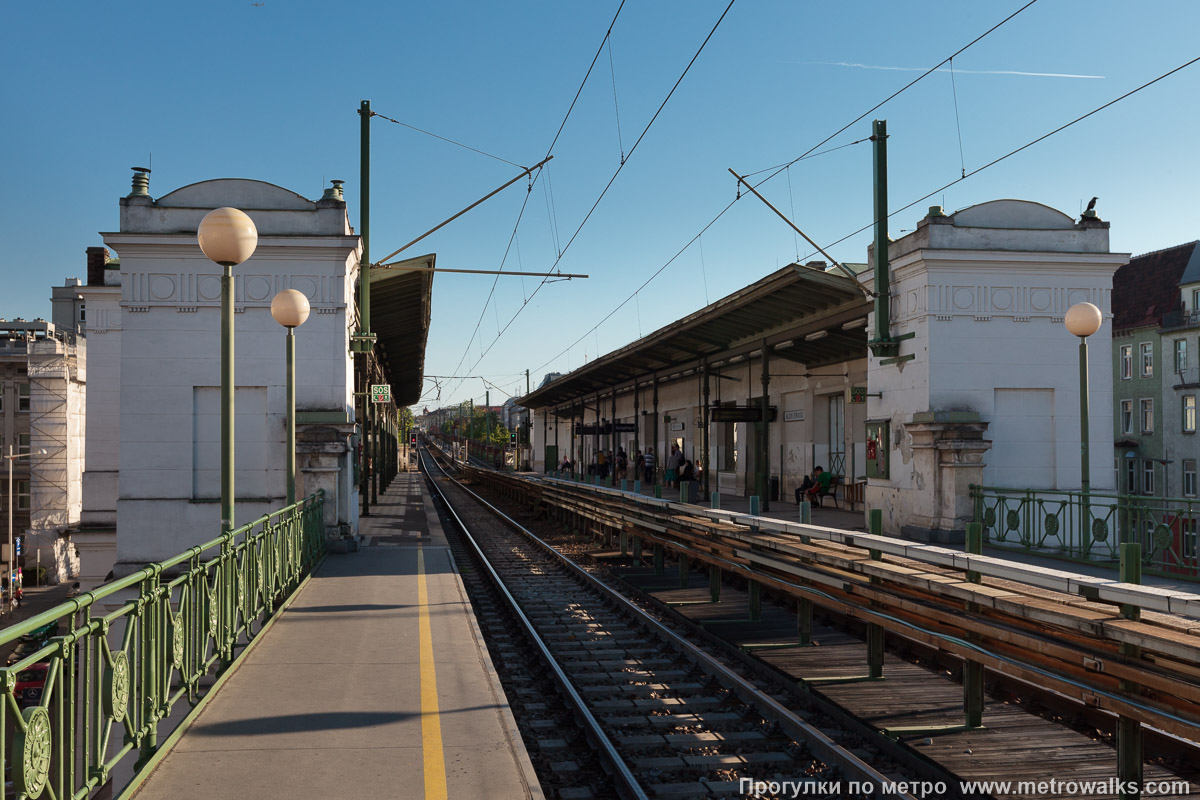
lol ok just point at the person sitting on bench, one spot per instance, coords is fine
(814, 485)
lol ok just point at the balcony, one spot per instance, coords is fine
(1186, 378)
(1180, 318)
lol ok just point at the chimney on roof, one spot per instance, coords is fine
(141, 182)
(334, 192)
(97, 257)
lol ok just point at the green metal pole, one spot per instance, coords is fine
(764, 456)
(227, 399)
(364, 201)
(882, 345)
(377, 432)
(1129, 731)
(804, 621)
(874, 630)
(1085, 472)
(973, 670)
(705, 449)
(291, 416)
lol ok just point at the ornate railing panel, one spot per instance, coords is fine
(1091, 527)
(120, 658)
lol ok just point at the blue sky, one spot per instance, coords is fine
(231, 89)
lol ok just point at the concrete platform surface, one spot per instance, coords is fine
(374, 682)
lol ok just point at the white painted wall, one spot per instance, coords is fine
(987, 323)
(169, 359)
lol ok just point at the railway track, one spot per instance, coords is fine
(1025, 634)
(662, 717)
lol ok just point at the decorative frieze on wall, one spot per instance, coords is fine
(945, 302)
(189, 290)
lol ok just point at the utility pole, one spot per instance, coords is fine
(764, 455)
(529, 426)
(883, 346)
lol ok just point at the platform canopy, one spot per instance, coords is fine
(782, 309)
(400, 304)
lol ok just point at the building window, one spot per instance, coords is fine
(1195, 300)
(1126, 416)
(1147, 359)
(1147, 476)
(1189, 538)
(1147, 415)
(1180, 355)
(22, 397)
(22, 444)
(22, 495)
(1126, 362)
(1189, 477)
(83, 312)
(1131, 481)
(1189, 413)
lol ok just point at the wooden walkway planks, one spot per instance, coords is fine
(1015, 744)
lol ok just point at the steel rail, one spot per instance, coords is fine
(627, 784)
(789, 722)
(1163, 720)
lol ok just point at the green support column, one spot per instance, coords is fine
(659, 567)
(376, 439)
(637, 551)
(624, 544)
(227, 399)
(1129, 731)
(714, 583)
(973, 670)
(291, 415)
(715, 500)
(755, 601)
(804, 621)
(658, 490)
(874, 631)
(684, 570)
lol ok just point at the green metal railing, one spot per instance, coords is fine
(1091, 527)
(127, 653)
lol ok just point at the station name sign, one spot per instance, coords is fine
(604, 428)
(741, 414)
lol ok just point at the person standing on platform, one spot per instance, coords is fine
(622, 464)
(674, 462)
(649, 459)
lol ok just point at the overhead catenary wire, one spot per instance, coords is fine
(618, 171)
(446, 139)
(1014, 152)
(957, 120)
(549, 151)
(810, 153)
(616, 108)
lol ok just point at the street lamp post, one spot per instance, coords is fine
(290, 309)
(1082, 320)
(228, 237)
(11, 457)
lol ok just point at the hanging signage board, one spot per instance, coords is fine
(381, 393)
(593, 429)
(794, 416)
(858, 395)
(625, 427)
(742, 414)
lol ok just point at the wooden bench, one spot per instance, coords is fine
(853, 493)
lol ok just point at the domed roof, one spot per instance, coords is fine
(1022, 214)
(238, 192)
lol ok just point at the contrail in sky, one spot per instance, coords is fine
(958, 71)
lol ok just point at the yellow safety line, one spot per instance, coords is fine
(431, 723)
